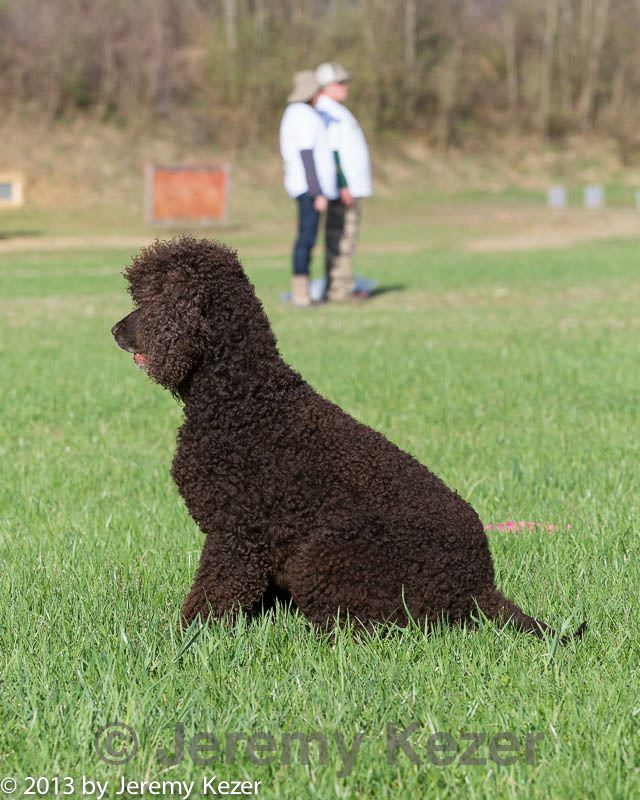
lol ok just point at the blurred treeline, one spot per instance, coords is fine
(451, 70)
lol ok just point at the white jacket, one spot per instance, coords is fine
(347, 138)
(302, 128)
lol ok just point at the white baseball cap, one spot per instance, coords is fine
(331, 72)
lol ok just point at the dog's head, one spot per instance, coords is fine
(192, 298)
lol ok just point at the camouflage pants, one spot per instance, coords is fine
(341, 232)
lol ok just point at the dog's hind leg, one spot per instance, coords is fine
(497, 607)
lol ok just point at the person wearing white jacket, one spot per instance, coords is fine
(353, 166)
(309, 174)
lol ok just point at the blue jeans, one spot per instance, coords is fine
(308, 219)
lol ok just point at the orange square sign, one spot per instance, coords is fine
(186, 193)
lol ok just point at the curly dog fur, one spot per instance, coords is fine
(297, 499)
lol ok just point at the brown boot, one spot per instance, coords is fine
(300, 296)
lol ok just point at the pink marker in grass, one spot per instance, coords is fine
(511, 526)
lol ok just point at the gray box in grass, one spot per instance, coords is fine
(594, 197)
(557, 197)
(11, 190)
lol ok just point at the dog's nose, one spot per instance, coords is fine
(114, 330)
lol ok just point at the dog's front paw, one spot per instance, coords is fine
(195, 606)
(198, 606)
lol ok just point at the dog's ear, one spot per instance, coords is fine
(173, 328)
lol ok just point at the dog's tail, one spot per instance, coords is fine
(497, 607)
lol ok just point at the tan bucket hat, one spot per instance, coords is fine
(305, 87)
(331, 72)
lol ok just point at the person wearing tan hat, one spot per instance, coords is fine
(309, 174)
(351, 155)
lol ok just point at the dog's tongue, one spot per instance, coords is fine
(139, 360)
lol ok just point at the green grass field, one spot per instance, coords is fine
(513, 376)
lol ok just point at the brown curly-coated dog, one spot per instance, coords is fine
(297, 499)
